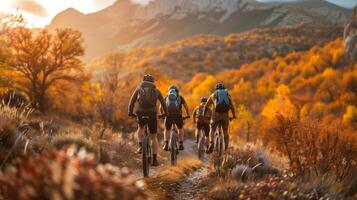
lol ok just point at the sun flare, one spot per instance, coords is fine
(39, 13)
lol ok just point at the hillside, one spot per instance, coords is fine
(126, 25)
(211, 54)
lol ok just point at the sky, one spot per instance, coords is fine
(39, 13)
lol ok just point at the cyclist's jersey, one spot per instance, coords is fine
(134, 101)
(207, 116)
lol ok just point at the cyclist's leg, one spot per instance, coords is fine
(206, 130)
(225, 125)
(197, 133)
(152, 124)
(168, 125)
(140, 131)
(212, 133)
(181, 133)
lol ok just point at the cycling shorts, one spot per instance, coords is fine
(174, 119)
(151, 121)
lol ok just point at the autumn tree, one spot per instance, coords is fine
(245, 121)
(42, 60)
(105, 103)
(7, 21)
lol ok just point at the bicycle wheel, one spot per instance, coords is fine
(146, 155)
(201, 145)
(173, 148)
(218, 153)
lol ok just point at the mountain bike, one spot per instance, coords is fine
(147, 156)
(219, 148)
(173, 143)
(201, 146)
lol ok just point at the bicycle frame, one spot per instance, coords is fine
(218, 149)
(146, 147)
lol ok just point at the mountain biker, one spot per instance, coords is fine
(174, 102)
(222, 104)
(146, 96)
(201, 120)
(350, 35)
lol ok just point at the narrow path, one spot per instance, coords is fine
(188, 186)
(191, 186)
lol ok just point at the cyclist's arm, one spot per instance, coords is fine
(133, 99)
(194, 115)
(186, 108)
(162, 103)
(208, 104)
(233, 109)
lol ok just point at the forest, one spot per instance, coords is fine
(296, 100)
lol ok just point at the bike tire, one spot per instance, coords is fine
(201, 146)
(173, 149)
(218, 153)
(146, 156)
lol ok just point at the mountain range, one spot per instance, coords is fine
(126, 25)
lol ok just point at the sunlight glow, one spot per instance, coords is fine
(52, 7)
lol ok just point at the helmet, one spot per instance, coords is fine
(220, 86)
(173, 87)
(148, 78)
(204, 99)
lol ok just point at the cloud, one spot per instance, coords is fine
(30, 6)
(143, 2)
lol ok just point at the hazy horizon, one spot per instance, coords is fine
(40, 13)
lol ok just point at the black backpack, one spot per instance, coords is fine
(147, 97)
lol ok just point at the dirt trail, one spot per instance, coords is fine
(189, 184)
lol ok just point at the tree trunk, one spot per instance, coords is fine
(248, 131)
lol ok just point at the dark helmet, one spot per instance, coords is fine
(220, 86)
(149, 78)
(204, 99)
(173, 87)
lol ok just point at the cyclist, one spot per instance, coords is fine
(222, 104)
(201, 120)
(174, 103)
(146, 96)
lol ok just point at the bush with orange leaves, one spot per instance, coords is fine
(60, 175)
(315, 148)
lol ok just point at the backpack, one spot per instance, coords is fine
(200, 114)
(222, 103)
(147, 97)
(173, 102)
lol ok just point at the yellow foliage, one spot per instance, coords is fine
(280, 104)
(204, 88)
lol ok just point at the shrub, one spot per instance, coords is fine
(247, 163)
(60, 175)
(314, 148)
